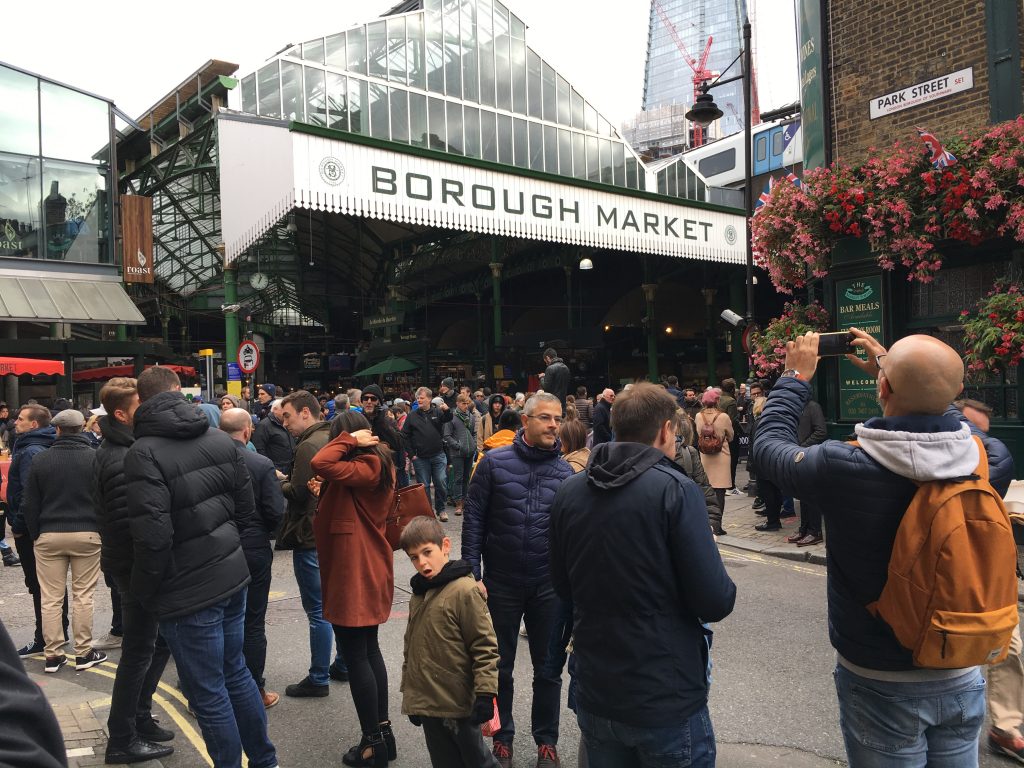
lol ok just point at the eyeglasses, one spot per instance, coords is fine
(547, 418)
(370, 399)
(878, 362)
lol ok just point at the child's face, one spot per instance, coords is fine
(429, 558)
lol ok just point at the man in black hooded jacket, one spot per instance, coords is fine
(372, 402)
(187, 489)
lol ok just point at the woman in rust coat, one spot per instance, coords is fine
(357, 570)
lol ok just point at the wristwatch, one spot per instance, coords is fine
(792, 373)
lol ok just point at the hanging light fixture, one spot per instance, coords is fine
(586, 263)
(292, 226)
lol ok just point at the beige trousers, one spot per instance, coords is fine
(1006, 690)
(55, 554)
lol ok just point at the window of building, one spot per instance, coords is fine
(534, 85)
(74, 212)
(502, 61)
(355, 44)
(268, 84)
(416, 53)
(593, 159)
(74, 126)
(489, 135)
(550, 149)
(550, 94)
(485, 37)
(400, 115)
(334, 98)
(249, 104)
(521, 143)
(505, 156)
(292, 95)
(19, 118)
(314, 50)
(536, 146)
(452, 51)
(455, 143)
(359, 121)
(396, 64)
(21, 192)
(519, 76)
(564, 109)
(712, 165)
(438, 134)
(579, 155)
(470, 55)
(418, 120)
(380, 109)
(471, 120)
(335, 54)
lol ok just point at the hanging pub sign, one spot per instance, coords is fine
(137, 238)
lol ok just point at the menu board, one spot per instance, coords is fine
(858, 304)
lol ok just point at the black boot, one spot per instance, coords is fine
(147, 728)
(11, 559)
(138, 751)
(370, 752)
(389, 740)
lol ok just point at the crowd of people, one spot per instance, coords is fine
(588, 526)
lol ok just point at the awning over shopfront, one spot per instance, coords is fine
(18, 366)
(268, 167)
(59, 299)
(112, 371)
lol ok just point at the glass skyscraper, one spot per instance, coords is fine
(668, 79)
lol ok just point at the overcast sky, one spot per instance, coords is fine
(135, 53)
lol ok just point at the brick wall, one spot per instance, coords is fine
(878, 48)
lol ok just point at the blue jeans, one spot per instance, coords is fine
(934, 724)
(612, 744)
(207, 650)
(321, 634)
(434, 469)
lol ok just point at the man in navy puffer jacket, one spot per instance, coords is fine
(891, 712)
(506, 525)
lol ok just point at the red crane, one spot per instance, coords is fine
(701, 74)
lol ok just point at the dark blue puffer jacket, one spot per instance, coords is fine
(508, 510)
(26, 446)
(863, 503)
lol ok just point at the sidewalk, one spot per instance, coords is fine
(739, 521)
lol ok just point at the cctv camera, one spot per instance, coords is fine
(227, 308)
(736, 321)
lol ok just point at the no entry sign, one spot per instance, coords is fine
(248, 356)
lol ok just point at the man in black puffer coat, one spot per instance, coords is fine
(144, 653)
(187, 489)
(864, 491)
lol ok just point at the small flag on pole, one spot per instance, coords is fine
(939, 157)
(795, 179)
(765, 196)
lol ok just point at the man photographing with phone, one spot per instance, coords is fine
(891, 708)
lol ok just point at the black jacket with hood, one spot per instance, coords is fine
(272, 440)
(188, 492)
(110, 495)
(556, 379)
(423, 431)
(641, 650)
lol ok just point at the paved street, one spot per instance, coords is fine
(772, 700)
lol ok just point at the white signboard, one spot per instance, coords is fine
(922, 93)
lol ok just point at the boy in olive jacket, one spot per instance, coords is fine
(450, 672)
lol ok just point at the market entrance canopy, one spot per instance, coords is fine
(391, 365)
(112, 371)
(269, 167)
(25, 365)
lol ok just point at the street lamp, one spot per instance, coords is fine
(705, 112)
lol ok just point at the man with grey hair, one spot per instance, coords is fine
(603, 417)
(505, 541)
(255, 536)
(341, 403)
(355, 398)
(423, 435)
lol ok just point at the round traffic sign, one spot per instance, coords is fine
(248, 356)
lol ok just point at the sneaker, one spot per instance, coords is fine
(734, 492)
(1011, 746)
(306, 689)
(269, 698)
(31, 649)
(547, 756)
(148, 728)
(337, 673)
(107, 642)
(503, 754)
(91, 659)
(443, 517)
(758, 503)
(809, 539)
(54, 663)
(11, 559)
(767, 527)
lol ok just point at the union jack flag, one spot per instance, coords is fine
(940, 157)
(767, 194)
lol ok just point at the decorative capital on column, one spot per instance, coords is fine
(495, 269)
(650, 290)
(709, 295)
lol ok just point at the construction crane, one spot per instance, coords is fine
(701, 74)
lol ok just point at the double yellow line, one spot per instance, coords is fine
(777, 562)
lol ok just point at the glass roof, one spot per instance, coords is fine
(451, 75)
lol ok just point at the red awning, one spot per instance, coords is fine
(20, 365)
(110, 372)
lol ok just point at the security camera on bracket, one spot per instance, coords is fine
(733, 319)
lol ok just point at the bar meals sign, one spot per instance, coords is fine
(360, 180)
(921, 93)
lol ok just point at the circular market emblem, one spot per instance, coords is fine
(730, 234)
(332, 171)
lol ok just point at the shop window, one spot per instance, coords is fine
(505, 156)
(337, 101)
(268, 87)
(438, 135)
(19, 118)
(416, 53)
(400, 115)
(314, 50)
(249, 105)
(454, 111)
(74, 212)
(396, 51)
(21, 191)
(74, 126)
(355, 44)
(418, 120)
(536, 146)
(335, 54)
(292, 95)
(471, 119)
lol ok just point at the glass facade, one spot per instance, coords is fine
(54, 171)
(676, 179)
(456, 76)
(668, 79)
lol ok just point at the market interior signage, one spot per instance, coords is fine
(858, 305)
(923, 92)
(367, 181)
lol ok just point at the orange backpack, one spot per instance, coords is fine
(951, 594)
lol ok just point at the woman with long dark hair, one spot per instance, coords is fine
(357, 570)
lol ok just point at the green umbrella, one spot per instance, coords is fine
(391, 365)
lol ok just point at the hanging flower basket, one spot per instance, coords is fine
(994, 332)
(899, 203)
(768, 346)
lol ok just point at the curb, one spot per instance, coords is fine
(815, 554)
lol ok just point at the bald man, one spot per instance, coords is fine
(603, 417)
(255, 535)
(891, 712)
